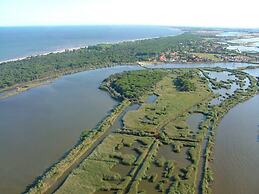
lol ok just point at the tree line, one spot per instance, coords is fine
(102, 55)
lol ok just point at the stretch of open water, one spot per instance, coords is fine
(18, 42)
(38, 126)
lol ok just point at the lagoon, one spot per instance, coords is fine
(55, 113)
(237, 150)
(38, 126)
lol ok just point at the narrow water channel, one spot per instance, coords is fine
(38, 126)
(118, 123)
(194, 121)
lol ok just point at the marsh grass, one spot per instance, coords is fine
(169, 105)
(156, 151)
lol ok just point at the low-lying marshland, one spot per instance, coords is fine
(163, 144)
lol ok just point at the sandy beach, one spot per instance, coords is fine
(43, 54)
(75, 48)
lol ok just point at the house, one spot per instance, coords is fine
(162, 57)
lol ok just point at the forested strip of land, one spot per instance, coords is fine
(102, 55)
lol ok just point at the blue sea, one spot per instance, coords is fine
(17, 42)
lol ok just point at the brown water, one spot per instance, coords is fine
(38, 126)
(118, 123)
(167, 152)
(194, 121)
(150, 187)
(237, 150)
(237, 147)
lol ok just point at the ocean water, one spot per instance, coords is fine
(17, 42)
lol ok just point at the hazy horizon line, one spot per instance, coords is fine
(173, 26)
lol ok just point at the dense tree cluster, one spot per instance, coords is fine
(184, 82)
(133, 84)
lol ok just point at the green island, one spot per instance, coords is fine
(189, 47)
(156, 149)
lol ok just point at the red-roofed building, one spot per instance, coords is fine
(162, 57)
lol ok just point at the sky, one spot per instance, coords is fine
(211, 13)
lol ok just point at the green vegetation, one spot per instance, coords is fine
(87, 179)
(146, 157)
(103, 55)
(209, 56)
(156, 150)
(76, 154)
(132, 84)
(184, 48)
(184, 83)
(169, 105)
(215, 114)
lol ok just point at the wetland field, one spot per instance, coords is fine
(159, 138)
(174, 114)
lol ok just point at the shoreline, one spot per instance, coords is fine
(19, 88)
(23, 87)
(81, 47)
(15, 90)
(44, 182)
(42, 54)
(54, 176)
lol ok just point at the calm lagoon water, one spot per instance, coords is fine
(231, 34)
(253, 72)
(251, 49)
(38, 126)
(200, 65)
(237, 150)
(194, 121)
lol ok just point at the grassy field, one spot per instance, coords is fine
(125, 163)
(157, 150)
(97, 172)
(208, 56)
(169, 105)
